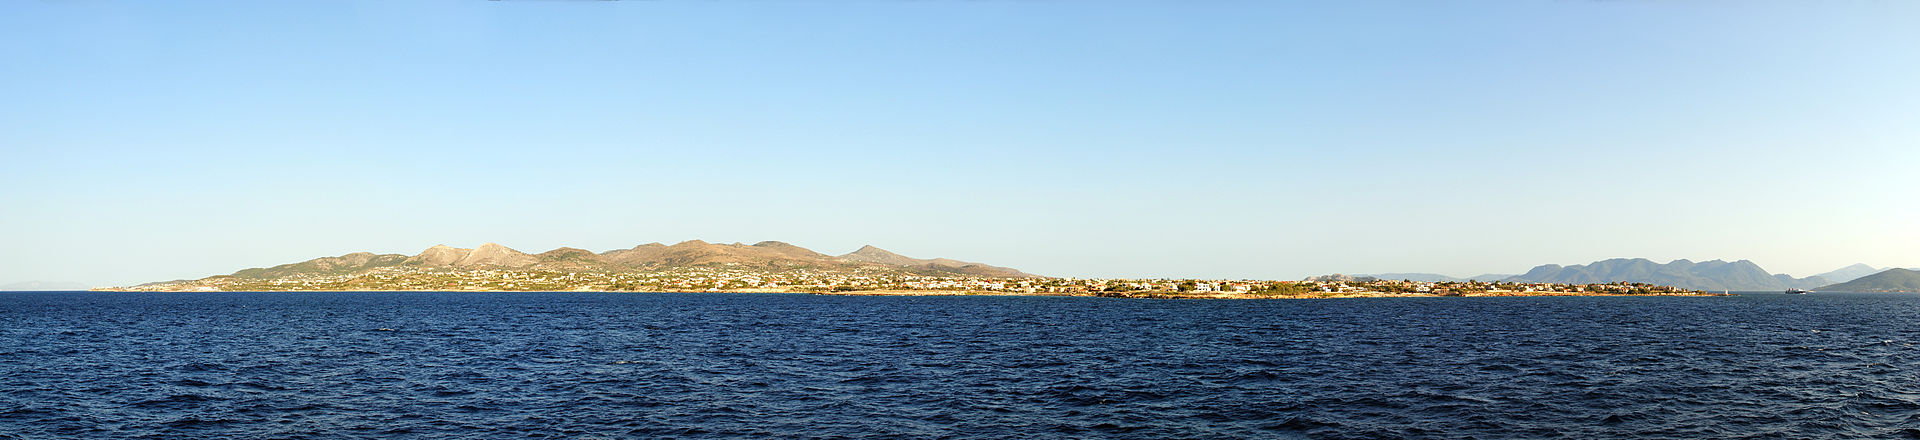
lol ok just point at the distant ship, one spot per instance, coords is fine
(1798, 291)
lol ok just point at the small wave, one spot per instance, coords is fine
(196, 422)
(197, 367)
(176, 400)
(1299, 423)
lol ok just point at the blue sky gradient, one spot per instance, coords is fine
(147, 141)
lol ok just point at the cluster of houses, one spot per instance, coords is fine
(683, 279)
(737, 278)
(1480, 287)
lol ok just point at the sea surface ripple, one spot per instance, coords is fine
(610, 365)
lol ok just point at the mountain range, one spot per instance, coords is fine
(646, 257)
(1739, 275)
(1706, 275)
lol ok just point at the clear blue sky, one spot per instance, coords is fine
(146, 141)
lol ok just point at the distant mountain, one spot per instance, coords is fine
(1706, 275)
(872, 254)
(1340, 277)
(1434, 277)
(1890, 280)
(1421, 277)
(42, 286)
(646, 257)
(1850, 273)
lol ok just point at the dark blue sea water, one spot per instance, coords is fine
(603, 365)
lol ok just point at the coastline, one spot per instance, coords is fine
(1137, 295)
(1242, 296)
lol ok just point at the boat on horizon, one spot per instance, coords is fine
(1798, 291)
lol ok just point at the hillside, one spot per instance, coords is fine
(1891, 280)
(349, 263)
(870, 254)
(1706, 275)
(766, 255)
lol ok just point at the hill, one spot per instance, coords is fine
(766, 255)
(870, 254)
(349, 263)
(1850, 273)
(1891, 280)
(1706, 275)
(1434, 277)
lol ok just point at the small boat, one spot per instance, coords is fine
(1798, 291)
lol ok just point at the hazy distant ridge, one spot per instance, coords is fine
(1434, 277)
(1850, 273)
(1740, 275)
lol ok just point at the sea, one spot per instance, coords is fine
(671, 365)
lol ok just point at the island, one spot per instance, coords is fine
(776, 267)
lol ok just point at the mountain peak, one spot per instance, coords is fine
(439, 255)
(494, 254)
(870, 254)
(568, 254)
